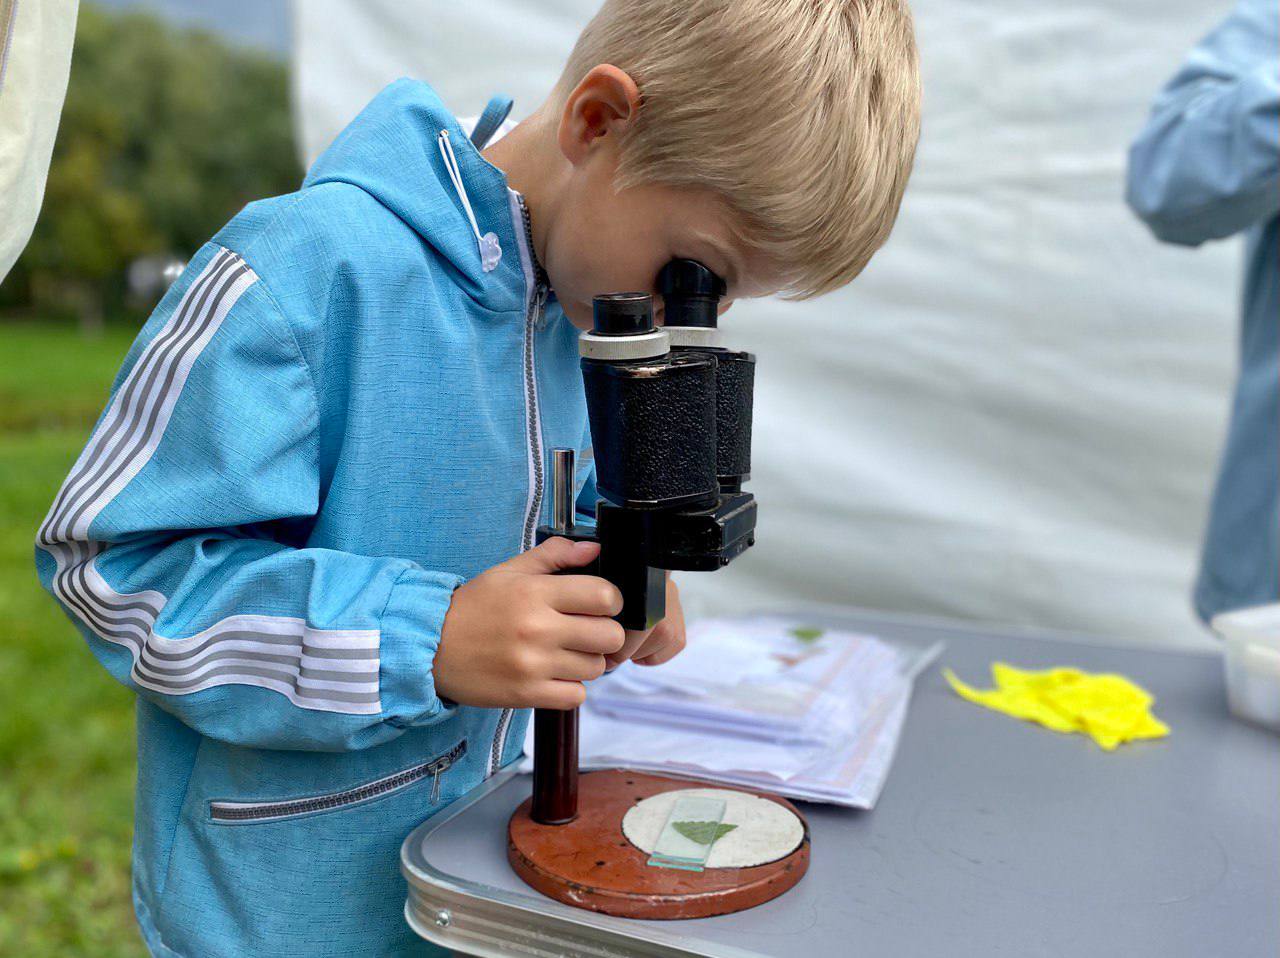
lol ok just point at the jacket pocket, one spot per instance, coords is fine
(249, 813)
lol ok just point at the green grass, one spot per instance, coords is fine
(66, 728)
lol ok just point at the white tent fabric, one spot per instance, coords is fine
(1013, 415)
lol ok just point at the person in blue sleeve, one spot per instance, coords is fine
(302, 530)
(1207, 166)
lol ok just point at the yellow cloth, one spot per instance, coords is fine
(1108, 708)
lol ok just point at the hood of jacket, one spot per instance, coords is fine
(391, 150)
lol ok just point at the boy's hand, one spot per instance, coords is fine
(518, 636)
(661, 643)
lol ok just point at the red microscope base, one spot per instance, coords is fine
(590, 864)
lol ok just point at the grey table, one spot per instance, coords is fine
(993, 837)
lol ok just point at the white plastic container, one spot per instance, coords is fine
(1252, 661)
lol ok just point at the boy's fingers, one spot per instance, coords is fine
(634, 639)
(591, 633)
(578, 666)
(585, 595)
(555, 694)
(553, 555)
(658, 640)
(665, 654)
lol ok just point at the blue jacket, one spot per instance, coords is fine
(337, 416)
(1207, 166)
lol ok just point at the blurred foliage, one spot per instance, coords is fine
(66, 728)
(165, 134)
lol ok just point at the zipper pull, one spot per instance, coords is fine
(435, 785)
(541, 293)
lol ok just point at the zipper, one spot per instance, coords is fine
(244, 813)
(532, 321)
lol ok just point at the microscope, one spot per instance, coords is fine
(670, 415)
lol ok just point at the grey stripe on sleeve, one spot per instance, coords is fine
(138, 385)
(267, 638)
(242, 671)
(122, 459)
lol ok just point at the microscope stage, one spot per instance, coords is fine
(590, 862)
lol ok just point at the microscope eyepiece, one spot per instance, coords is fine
(622, 314)
(690, 294)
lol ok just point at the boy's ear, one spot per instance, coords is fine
(605, 103)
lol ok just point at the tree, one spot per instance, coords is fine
(165, 135)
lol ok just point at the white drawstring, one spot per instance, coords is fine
(490, 251)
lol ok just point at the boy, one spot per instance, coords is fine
(292, 531)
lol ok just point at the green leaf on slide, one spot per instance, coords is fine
(807, 634)
(704, 833)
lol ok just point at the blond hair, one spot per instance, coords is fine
(802, 115)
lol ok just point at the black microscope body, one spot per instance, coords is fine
(670, 414)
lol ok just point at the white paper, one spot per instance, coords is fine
(686, 717)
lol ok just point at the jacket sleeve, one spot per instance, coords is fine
(175, 542)
(1207, 164)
